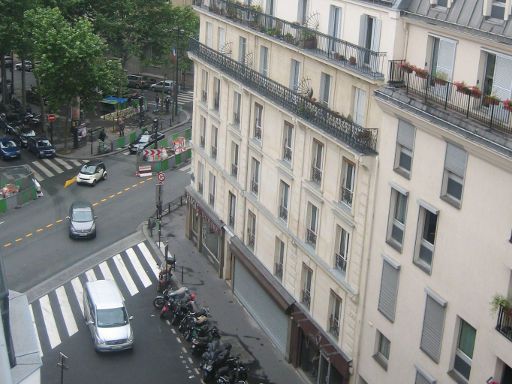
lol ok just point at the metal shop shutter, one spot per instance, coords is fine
(261, 306)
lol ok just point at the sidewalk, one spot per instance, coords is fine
(265, 363)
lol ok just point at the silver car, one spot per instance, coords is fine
(163, 86)
(81, 219)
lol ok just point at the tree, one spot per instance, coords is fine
(72, 65)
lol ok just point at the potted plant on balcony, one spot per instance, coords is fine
(440, 78)
(474, 91)
(421, 72)
(406, 67)
(507, 104)
(490, 100)
(501, 301)
(290, 39)
(462, 87)
(339, 57)
(308, 39)
(352, 60)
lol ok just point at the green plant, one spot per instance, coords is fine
(352, 60)
(490, 100)
(421, 72)
(274, 32)
(289, 38)
(407, 67)
(440, 77)
(500, 301)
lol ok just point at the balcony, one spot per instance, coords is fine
(341, 53)
(214, 152)
(334, 326)
(257, 132)
(361, 139)
(234, 170)
(278, 271)
(504, 323)
(287, 154)
(311, 237)
(204, 96)
(202, 141)
(316, 174)
(468, 103)
(306, 298)
(340, 262)
(200, 187)
(211, 199)
(251, 238)
(254, 187)
(283, 213)
(346, 196)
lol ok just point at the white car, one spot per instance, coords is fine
(28, 66)
(163, 86)
(91, 173)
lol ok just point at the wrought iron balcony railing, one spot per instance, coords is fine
(306, 298)
(343, 129)
(470, 101)
(341, 262)
(310, 237)
(343, 53)
(334, 326)
(254, 187)
(346, 196)
(278, 271)
(214, 152)
(316, 174)
(287, 154)
(283, 213)
(504, 323)
(211, 199)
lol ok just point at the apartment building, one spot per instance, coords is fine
(284, 160)
(441, 248)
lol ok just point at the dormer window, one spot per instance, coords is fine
(441, 3)
(498, 9)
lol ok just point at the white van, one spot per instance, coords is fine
(106, 316)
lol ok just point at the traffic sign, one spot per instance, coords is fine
(51, 117)
(161, 177)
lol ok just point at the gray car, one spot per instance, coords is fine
(82, 221)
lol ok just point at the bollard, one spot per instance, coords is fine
(182, 275)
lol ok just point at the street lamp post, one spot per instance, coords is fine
(176, 86)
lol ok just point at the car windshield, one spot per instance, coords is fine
(113, 317)
(88, 169)
(82, 215)
(8, 144)
(144, 139)
(43, 143)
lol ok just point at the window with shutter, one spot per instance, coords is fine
(453, 177)
(404, 148)
(359, 106)
(442, 56)
(325, 88)
(388, 290)
(264, 61)
(221, 39)
(502, 79)
(432, 333)
(423, 378)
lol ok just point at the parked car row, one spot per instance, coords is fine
(147, 82)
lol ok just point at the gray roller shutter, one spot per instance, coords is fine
(456, 158)
(388, 290)
(432, 334)
(405, 135)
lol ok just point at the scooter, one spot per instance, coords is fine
(159, 301)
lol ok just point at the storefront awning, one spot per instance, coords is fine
(208, 214)
(267, 281)
(114, 100)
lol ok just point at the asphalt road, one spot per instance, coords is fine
(34, 239)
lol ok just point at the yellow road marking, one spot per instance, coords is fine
(28, 234)
(18, 239)
(127, 189)
(103, 200)
(134, 185)
(120, 192)
(58, 221)
(49, 225)
(142, 181)
(39, 229)
(7, 245)
(111, 196)
(95, 204)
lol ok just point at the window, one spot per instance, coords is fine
(242, 48)
(453, 176)
(432, 333)
(251, 229)
(270, 7)
(442, 56)
(200, 177)
(221, 40)
(234, 159)
(334, 315)
(369, 37)
(264, 61)
(258, 119)
(294, 75)
(341, 251)
(497, 81)
(232, 210)
(214, 135)
(311, 225)
(347, 183)
(209, 35)
(325, 88)
(302, 11)
(216, 93)
(202, 137)
(383, 346)
(334, 23)
(316, 161)
(237, 101)
(359, 106)
(279, 259)
(287, 141)
(464, 350)
(423, 378)
(498, 9)
(396, 225)
(211, 186)
(425, 239)
(388, 290)
(284, 192)
(404, 148)
(204, 86)
(255, 176)
(307, 276)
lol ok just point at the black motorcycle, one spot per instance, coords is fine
(201, 341)
(159, 301)
(233, 372)
(215, 357)
(192, 319)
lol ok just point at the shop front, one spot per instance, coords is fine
(313, 351)
(204, 228)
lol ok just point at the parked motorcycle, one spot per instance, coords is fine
(159, 301)
(202, 339)
(233, 372)
(176, 309)
(165, 275)
(215, 357)
(192, 319)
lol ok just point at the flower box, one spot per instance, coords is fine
(352, 60)
(490, 100)
(407, 67)
(474, 91)
(421, 72)
(507, 104)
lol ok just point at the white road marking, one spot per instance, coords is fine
(132, 288)
(138, 268)
(75, 162)
(36, 174)
(186, 169)
(69, 319)
(42, 168)
(190, 360)
(49, 322)
(63, 163)
(79, 293)
(149, 258)
(91, 276)
(106, 271)
(37, 336)
(52, 165)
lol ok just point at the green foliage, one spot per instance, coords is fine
(500, 301)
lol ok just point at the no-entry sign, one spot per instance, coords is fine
(51, 117)
(161, 177)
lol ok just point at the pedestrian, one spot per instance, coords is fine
(121, 124)
(167, 103)
(102, 135)
(157, 101)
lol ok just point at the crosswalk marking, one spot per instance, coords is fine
(91, 276)
(130, 285)
(79, 292)
(106, 271)
(75, 162)
(138, 268)
(63, 163)
(69, 319)
(34, 322)
(149, 258)
(52, 165)
(35, 173)
(42, 168)
(49, 322)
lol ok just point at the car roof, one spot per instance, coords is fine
(94, 162)
(81, 204)
(105, 294)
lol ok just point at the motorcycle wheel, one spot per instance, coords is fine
(205, 376)
(158, 302)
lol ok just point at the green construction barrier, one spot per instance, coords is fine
(3, 205)
(165, 164)
(177, 159)
(188, 134)
(132, 136)
(157, 166)
(164, 143)
(120, 142)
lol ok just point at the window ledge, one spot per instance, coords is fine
(422, 266)
(457, 377)
(403, 173)
(381, 361)
(394, 245)
(451, 201)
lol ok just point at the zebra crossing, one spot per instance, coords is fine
(183, 98)
(46, 168)
(58, 315)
